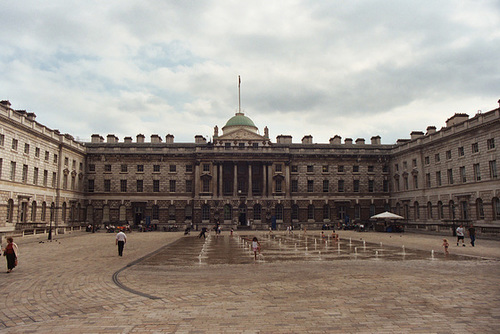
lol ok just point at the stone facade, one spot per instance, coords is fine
(244, 180)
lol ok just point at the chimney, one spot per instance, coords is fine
(140, 138)
(307, 139)
(96, 139)
(169, 139)
(430, 130)
(348, 141)
(7, 103)
(31, 116)
(375, 140)
(416, 134)
(336, 140)
(127, 140)
(199, 139)
(155, 139)
(402, 141)
(360, 141)
(455, 119)
(111, 139)
(284, 139)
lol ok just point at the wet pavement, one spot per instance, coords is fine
(170, 283)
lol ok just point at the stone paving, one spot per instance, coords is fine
(69, 285)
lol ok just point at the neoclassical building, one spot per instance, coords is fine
(243, 179)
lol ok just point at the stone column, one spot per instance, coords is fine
(269, 179)
(214, 180)
(235, 180)
(197, 179)
(264, 183)
(287, 180)
(249, 180)
(221, 177)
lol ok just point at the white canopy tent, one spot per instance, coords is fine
(386, 215)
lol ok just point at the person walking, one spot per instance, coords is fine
(11, 252)
(472, 234)
(460, 235)
(445, 246)
(121, 240)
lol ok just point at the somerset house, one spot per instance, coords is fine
(243, 179)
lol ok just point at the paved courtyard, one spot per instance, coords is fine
(78, 284)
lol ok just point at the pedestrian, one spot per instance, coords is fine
(202, 233)
(460, 235)
(472, 234)
(121, 240)
(11, 252)
(255, 247)
(445, 246)
(232, 231)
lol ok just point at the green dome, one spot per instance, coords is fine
(240, 120)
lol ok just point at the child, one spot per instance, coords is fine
(255, 247)
(445, 245)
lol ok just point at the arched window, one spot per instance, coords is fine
(326, 211)
(171, 212)
(105, 214)
(372, 210)
(257, 212)
(79, 213)
(44, 211)
(279, 212)
(123, 213)
(33, 211)
(10, 211)
(451, 209)
(295, 212)
(52, 211)
(205, 212)
(479, 209)
(90, 213)
(496, 208)
(429, 210)
(406, 210)
(228, 212)
(440, 210)
(155, 214)
(416, 207)
(310, 212)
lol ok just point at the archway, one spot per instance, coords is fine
(242, 214)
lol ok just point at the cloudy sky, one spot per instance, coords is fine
(321, 68)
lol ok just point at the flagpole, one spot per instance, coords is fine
(239, 94)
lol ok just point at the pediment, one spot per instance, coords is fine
(241, 134)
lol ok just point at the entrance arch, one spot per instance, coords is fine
(242, 214)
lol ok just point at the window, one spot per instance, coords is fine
(278, 168)
(278, 185)
(66, 161)
(14, 144)
(65, 181)
(45, 177)
(107, 168)
(414, 163)
(255, 145)
(340, 169)
(74, 164)
(310, 186)
(438, 178)
(295, 212)
(355, 169)
(205, 212)
(355, 186)
(462, 174)
(25, 174)
(155, 214)
(386, 187)
(416, 207)
(371, 186)
(428, 180)
(295, 169)
(206, 185)
(54, 179)
(124, 168)
(91, 168)
(310, 212)
(189, 186)
(171, 185)
(496, 208)
(123, 186)
(341, 186)
(461, 151)
(257, 212)
(171, 212)
(477, 172)
(310, 168)
(47, 155)
(107, 185)
(396, 167)
(405, 165)
(437, 158)
(371, 169)
(37, 152)
(140, 168)
(156, 168)
(427, 160)
(2, 139)
(55, 158)
(295, 186)
(385, 169)
(173, 168)
(279, 212)
(448, 155)
(415, 181)
(228, 212)
(189, 168)
(206, 168)
(479, 209)
(490, 143)
(326, 211)
(140, 186)
(450, 176)
(405, 179)
(91, 186)
(241, 144)
(325, 169)
(35, 175)
(475, 148)
(326, 186)
(357, 211)
(156, 186)
(493, 169)
(12, 171)
(440, 210)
